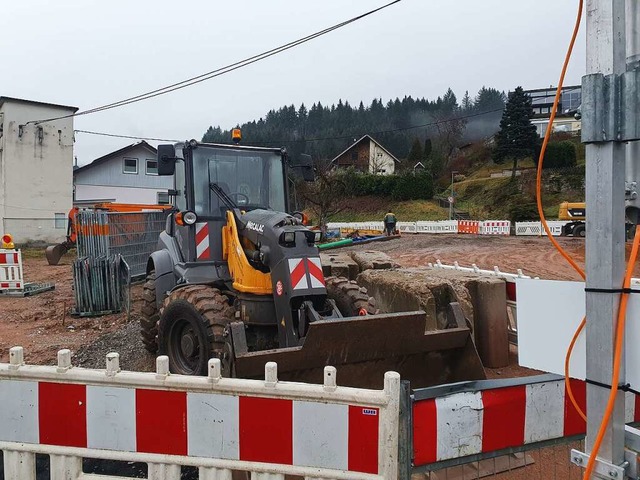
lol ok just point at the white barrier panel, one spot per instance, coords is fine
(535, 228)
(495, 227)
(407, 227)
(549, 313)
(444, 226)
(268, 428)
(11, 277)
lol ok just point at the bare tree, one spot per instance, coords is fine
(326, 196)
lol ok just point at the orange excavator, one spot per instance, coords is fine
(55, 252)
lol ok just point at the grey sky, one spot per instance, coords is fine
(87, 53)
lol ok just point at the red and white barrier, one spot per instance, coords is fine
(11, 276)
(495, 227)
(217, 424)
(477, 422)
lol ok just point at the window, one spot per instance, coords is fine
(60, 220)
(130, 166)
(152, 167)
(163, 198)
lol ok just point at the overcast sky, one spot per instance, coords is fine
(87, 53)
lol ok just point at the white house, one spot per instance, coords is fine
(128, 175)
(367, 155)
(36, 165)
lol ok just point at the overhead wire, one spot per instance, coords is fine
(319, 139)
(221, 70)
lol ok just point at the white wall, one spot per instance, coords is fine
(36, 164)
(148, 196)
(380, 160)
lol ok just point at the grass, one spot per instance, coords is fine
(374, 208)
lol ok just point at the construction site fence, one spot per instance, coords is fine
(101, 285)
(218, 425)
(272, 429)
(11, 276)
(133, 235)
(473, 227)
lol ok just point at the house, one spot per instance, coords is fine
(36, 164)
(542, 103)
(367, 155)
(128, 175)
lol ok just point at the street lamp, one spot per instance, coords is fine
(452, 198)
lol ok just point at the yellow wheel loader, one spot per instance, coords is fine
(236, 277)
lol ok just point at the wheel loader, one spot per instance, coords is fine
(236, 277)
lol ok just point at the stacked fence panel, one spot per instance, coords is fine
(100, 284)
(135, 237)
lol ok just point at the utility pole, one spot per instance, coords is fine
(605, 197)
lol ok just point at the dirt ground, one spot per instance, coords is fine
(43, 323)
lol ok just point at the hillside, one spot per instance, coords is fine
(482, 196)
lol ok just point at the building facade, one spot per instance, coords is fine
(36, 169)
(542, 103)
(367, 155)
(128, 175)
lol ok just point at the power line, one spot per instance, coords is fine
(219, 71)
(280, 142)
(132, 137)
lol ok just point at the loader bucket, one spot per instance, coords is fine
(364, 348)
(55, 252)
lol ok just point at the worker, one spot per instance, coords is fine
(389, 223)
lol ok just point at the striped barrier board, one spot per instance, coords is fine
(469, 226)
(476, 422)
(495, 227)
(535, 228)
(11, 276)
(293, 429)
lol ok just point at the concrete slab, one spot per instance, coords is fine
(339, 264)
(373, 260)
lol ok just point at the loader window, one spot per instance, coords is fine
(252, 179)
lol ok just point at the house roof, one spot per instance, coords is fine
(33, 102)
(371, 139)
(115, 154)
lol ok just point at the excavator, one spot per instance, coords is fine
(236, 277)
(54, 253)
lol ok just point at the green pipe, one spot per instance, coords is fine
(338, 244)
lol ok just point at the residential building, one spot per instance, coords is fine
(542, 102)
(367, 155)
(128, 175)
(36, 164)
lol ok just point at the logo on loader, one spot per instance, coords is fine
(298, 269)
(279, 288)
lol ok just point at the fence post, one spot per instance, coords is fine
(65, 467)
(161, 471)
(389, 422)
(405, 433)
(19, 465)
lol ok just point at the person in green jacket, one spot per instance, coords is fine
(389, 223)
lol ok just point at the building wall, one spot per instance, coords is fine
(143, 195)
(560, 124)
(36, 164)
(380, 161)
(107, 180)
(357, 157)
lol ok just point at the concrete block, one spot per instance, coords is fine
(373, 260)
(339, 265)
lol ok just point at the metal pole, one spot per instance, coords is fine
(605, 243)
(633, 148)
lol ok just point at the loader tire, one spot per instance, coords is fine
(192, 330)
(351, 299)
(149, 318)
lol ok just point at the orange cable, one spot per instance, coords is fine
(617, 360)
(558, 247)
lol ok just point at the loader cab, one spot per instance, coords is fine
(252, 177)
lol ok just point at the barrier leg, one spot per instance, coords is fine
(19, 465)
(206, 473)
(161, 471)
(267, 476)
(65, 467)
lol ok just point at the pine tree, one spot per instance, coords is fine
(415, 155)
(467, 103)
(517, 137)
